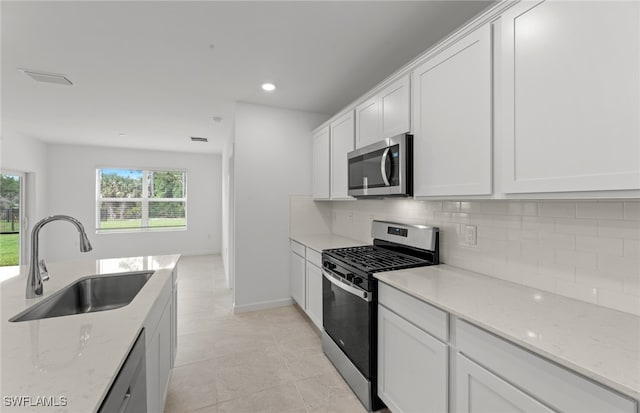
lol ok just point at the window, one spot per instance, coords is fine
(136, 199)
(11, 217)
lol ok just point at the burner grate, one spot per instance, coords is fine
(372, 258)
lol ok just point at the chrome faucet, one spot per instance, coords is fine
(37, 268)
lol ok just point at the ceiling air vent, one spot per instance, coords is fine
(47, 77)
(197, 139)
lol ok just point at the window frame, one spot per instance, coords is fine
(24, 233)
(144, 201)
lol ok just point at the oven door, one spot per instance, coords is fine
(347, 316)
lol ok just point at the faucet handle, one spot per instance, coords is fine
(44, 273)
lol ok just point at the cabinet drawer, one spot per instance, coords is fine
(297, 248)
(314, 257)
(554, 385)
(432, 320)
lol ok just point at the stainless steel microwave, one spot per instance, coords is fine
(382, 169)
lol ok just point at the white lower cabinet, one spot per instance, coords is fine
(549, 387)
(297, 278)
(314, 294)
(479, 391)
(471, 370)
(412, 366)
(159, 358)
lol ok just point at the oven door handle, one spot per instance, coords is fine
(364, 295)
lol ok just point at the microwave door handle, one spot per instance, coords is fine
(364, 295)
(383, 166)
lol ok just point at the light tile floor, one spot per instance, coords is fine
(262, 361)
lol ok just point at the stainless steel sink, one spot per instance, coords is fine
(88, 295)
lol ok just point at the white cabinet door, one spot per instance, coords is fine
(321, 164)
(164, 335)
(412, 366)
(395, 108)
(314, 294)
(367, 122)
(158, 360)
(297, 279)
(479, 391)
(452, 109)
(342, 142)
(571, 95)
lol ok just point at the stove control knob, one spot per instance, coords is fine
(357, 280)
(350, 277)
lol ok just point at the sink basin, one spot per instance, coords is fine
(88, 295)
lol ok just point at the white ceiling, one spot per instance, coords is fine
(148, 69)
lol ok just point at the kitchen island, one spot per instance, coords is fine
(68, 363)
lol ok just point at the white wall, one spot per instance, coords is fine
(587, 250)
(227, 209)
(272, 159)
(72, 190)
(24, 154)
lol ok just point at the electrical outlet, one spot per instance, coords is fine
(471, 235)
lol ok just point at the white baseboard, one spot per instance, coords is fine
(261, 305)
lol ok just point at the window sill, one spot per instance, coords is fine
(138, 230)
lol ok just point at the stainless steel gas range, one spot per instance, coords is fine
(350, 298)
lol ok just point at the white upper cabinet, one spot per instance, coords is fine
(321, 164)
(384, 115)
(395, 108)
(367, 122)
(342, 142)
(452, 115)
(571, 93)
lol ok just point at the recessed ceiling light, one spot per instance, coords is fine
(198, 139)
(269, 87)
(47, 77)
(217, 119)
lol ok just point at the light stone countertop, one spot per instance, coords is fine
(77, 356)
(598, 342)
(319, 242)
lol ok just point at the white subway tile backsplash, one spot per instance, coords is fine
(439, 217)
(557, 209)
(631, 248)
(451, 206)
(619, 229)
(540, 253)
(556, 240)
(507, 221)
(577, 291)
(602, 281)
(519, 235)
(577, 226)
(479, 219)
(577, 259)
(460, 217)
(522, 208)
(539, 224)
(492, 232)
(565, 272)
(632, 210)
(588, 250)
(602, 245)
(471, 207)
(632, 284)
(619, 301)
(599, 210)
(619, 265)
(434, 205)
(495, 207)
